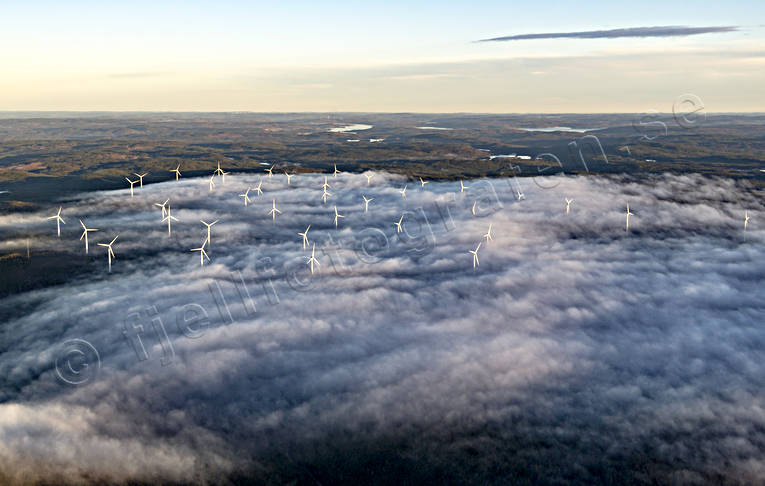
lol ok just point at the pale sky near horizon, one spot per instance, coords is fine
(391, 57)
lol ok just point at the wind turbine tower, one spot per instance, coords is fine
(59, 220)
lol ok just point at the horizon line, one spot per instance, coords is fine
(381, 112)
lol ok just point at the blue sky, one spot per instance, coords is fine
(357, 56)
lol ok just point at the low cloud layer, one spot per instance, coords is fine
(666, 31)
(576, 352)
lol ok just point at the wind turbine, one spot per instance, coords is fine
(202, 254)
(520, 194)
(628, 217)
(59, 220)
(131, 185)
(422, 183)
(246, 196)
(369, 177)
(568, 204)
(305, 236)
(324, 196)
(337, 215)
(168, 217)
(274, 210)
(270, 171)
(177, 171)
(140, 177)
(289, 176)
(475, 255)
(109, 251)
(325, 185)
(462, 186)
(398, 225)
(366, 202)
(474, 204)
(223, 176)
(209, 225)
(336, 171)
(212, 182)
(257, 188)
(313, 259)
(85, 234)
(218, 171)
(164, 210)
(403, 192)
(746, 219)
(487, 236)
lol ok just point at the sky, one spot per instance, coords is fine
(574, 349)
(352, 56)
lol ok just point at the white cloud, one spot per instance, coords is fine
(573, 344)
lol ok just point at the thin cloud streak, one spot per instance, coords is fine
(666, 31)
(136, 75)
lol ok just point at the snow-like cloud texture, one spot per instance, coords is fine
(575, 353)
